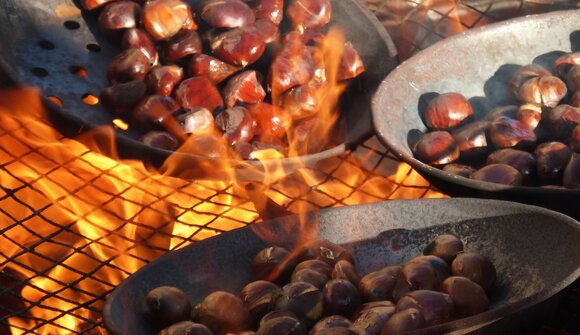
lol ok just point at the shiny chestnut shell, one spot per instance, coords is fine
(244, 87)
(212, 68)
(283, 73)
(163, 79)
(325, 250)
(272, 263)
(341, 297)
(138, 39)
(223, 312)
(270, 10)
(344, 269)
(472, 138)
(445, 246)
(315, 265)
(379, 285)
(459, 169)
(476, 267)
(530, 115)
(404, 321)
(507, 133)
(130, 64)
(302, 299)
(523, 74)
(260, 298)
(119, 15)
(415, 276)
(543, 91)
(160, 139)
(196, 92)
(436, 148)
(436, 307)
(168, 305)
(499, 174)
(562, 120)
(237, 124)
(226, 13)
(272, 121)
(196, 121)
(183, 44)
(162, 19)
(372, 320)
(447, 110)
(239, 46)
(468, 297)
(522, 161)
(552, 158)
(123, 97)
(309, 14)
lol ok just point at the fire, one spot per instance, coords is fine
(77, 221)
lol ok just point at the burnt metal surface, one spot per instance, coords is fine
(46, 43)
(477, 64)
(520, 240)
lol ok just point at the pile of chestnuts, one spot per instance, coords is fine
(535, 143)
(221, 76)
(327, 296)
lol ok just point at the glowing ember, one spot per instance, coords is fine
(120, 124)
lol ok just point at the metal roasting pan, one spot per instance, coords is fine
(536, 252)
(76, 41)
(478, 64)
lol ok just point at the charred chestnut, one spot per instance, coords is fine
(447, 110)
(272, 263)
(197, 92)
(499, 174)
(260, 298)
(543, 91)
(309, 14)
(552, 158)
(168, 305)
(507, 133)
(436, 307)
(130, 64)
(227, 13)
(445, 246)
(223, 312)
(468, 297)
(404, 321)
(302, 299)
(459, 169)
(379, 285)
(186, 328)
(436, 148)
(344, 269)
(162, 19)
(162, 79)
(476, 267)
(340, 298)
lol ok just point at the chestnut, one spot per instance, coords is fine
(522, 161)
(372, 320)
(206, 145)
(269, 30)
(183, 44)
(162, 19)
(130, 64)
(226, 13)
(239, 46)
(507, 133)
(373, 304)
(436, 148)
(162, 79)
(468, 297)
(160, 139)
(93, 4)
(404, 321)
(562, 120)
(575, 139)
(476, 267)
(315, 265)
(282, 325)
(237, 124)
(543, 91)
(459, 169)
(471, 138)
(445, 246)
(272, 263)
(123, 97)
(155, 112)
(351, 64)
(523, 74)
(119, 15)
(196, 121)
(301, 102)
(509, 111)
(436, 307)
(319, 64)
(313, 277)
(530, 115)
(168, 305)
(186, 328)
(214, 69)
(244, 87)
(344, 269)
(309, 14)
(196, 92)
(571, 178)
(325, 250)
(575, 99)
(447, 110)
(138, 39)
(573, 78)
(284, 72)
(442, 269)
(260, 298)
(272, 122)
(333, 321)
(415, 276)
(379, 285)
(223, 312)
(335, 331)
(499, 174)
(563, 64)
(270, 10)
(340, 298)
(302, 299)
(276, 314)
(552, 158)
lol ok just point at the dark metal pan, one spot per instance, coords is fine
(45, 41)
(477, 64)
(536, 252)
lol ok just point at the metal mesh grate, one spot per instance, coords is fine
(75, 223)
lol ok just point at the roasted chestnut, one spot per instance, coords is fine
(239, 46)
(123, 97)
(445, 246)
(335, 331)
(472, 139)
(162, 19)
(313, 277)
(415, 276)
(371, 321)
(333, 321)
(552, 158)
(283, 73)
(282, 325)
(351, 64)
(302, 299)
(138, 39)
(183, 44)
(436, 148)
(119, 15)
(272, 122)
(276, 314)
(562, 120)
(237, 124)
(226, 13)
(573, 78)
(244, 87)
(315, 265)
(379, 285)
(476, 267)
(269, 30)
(571, 178)
(436, 307)
(309, 14)
(160, 139)
(509, 111)
(522, 161)
(301, 102)
(155, 112)
(459, 169)
(575, 139)
(260, 298)
(447, 110)
(270, 10)
(499, 174)
(468, 297)
(162, 79)
(404, 321)
(198, 92)
(340, 298)
(186, 328)
(196, 121)
(563, 64)
(130, 64)
(543, 91)
(168, 305)
(507, 133)
(530, 115)
(325, 250)
(214, 69)
(223, 312)
(525, 73)
(344, 269)
(272, 263)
